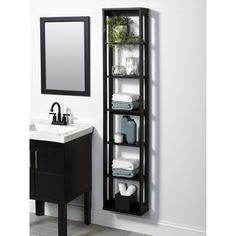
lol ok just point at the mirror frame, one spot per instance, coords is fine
(86, 21)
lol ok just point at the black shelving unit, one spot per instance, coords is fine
(142, 204)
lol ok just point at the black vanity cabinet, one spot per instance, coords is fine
(59, 173)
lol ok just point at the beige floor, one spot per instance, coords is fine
(47, 226)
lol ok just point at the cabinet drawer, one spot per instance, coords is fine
(49, 187)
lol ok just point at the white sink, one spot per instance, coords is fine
(58, 133)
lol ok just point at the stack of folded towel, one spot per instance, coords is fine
(123, 167)
(125, 101)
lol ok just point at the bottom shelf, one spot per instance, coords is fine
(110, 206)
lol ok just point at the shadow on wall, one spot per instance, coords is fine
(97, 169)
(152, 216)
(155, 116)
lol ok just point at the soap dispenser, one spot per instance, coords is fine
(124, 122)
(131, 128)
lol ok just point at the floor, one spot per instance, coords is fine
(47, 226)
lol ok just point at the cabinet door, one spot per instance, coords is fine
(48, 170)
(49, 157)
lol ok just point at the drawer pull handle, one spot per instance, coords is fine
(36, 159)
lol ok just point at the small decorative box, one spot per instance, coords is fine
(125, 203)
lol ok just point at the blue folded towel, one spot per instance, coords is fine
(118, 172)
(116, 105)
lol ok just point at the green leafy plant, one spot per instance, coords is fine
(117, 31)
(118, 20)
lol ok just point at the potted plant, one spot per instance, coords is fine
(117, 29)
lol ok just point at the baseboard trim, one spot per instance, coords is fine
(119, 221)
(183, 227)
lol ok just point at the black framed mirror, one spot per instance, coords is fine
(65, 55)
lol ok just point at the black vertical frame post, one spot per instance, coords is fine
(147, 94)
(141, 140)
(111, 121)
(104, 111)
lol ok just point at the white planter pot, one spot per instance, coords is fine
(121, 29)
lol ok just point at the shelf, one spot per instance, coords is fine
(125, 77)
(128, 43)
(135, 178)
(137, 144)
(131, 11)
(110, 206)
(126, 112)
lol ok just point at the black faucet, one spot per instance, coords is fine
(57, 120)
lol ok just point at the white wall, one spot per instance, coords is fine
(177, 111)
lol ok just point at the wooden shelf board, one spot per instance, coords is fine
(125, 112)
(128, 43)
(136, 178)
(125, 77)
(137, 144)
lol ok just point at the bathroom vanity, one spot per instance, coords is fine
(60, 168)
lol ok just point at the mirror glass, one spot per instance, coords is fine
(65, 56)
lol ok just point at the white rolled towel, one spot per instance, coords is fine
(125, 163)
(131, 189)
(122, 188)
(125, 97)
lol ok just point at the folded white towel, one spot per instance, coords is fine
(124, 163)
(125, 97)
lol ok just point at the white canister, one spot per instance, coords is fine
(118, 138)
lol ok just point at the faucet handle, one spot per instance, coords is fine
(54, 118)
(64, 120)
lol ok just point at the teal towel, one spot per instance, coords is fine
(125, 105)
(124, 173)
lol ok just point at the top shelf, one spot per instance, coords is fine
(136, 11)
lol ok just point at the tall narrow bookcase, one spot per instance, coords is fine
(142, 180)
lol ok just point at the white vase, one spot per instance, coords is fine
(132, 65)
